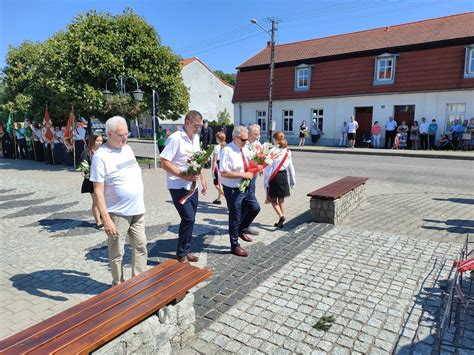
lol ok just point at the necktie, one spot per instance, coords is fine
(244, 160)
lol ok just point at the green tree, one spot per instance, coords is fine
(71, 67)
(223, 118)
(230, 78)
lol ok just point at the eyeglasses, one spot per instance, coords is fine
(243, 140)
(123, 135)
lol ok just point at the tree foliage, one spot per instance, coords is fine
(230, 78)
(71, 67)
(223, 117)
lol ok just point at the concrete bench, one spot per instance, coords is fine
(94, 322)
(333, 202)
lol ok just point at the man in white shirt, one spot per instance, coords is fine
(390, 132)
(79, 135)
(353, 125)
(424, 126)
(118, 186)
(232, 163)
(180, 146)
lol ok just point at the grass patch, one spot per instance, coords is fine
(324, 323)
(146, 161)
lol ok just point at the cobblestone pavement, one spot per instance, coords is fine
(377, 274)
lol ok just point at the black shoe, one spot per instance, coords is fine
(279, 224)
(99, 227)
(217, 202)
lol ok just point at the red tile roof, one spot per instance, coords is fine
(426, 31)
(187, 61)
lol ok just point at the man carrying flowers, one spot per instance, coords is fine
(233, 165)
(181, 160)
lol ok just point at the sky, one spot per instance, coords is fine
(219, 32)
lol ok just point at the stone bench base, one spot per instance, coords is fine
(161, 333)
(334, 211)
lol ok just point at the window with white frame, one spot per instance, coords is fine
(302, 77)
(288, 120)
(454, 112)
(469, 66)
(385, 69)
(262, 119)
(317, 115)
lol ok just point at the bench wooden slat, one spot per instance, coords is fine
(55, 320)
(109, 330)
(65, 326)
(98, 331)
(338, 188)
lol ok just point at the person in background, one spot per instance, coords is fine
(376, 129)
(470, 130)
(79, 135)
(344, 131)
(315, 132)
(414, 135)
(58, 146)
(444, 143)
(220, 138)
(403, 131)
(424, 126)
(206, 138)
(162, 136)
(390, 132)
(432, 129)
(279, 177)
(180, 146)
(95, 142)
(118, 187)
(21, 141)
(303, 133)
(351, 133)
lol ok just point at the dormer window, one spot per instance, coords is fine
(469, 66)
(302, 77)
(385, 69)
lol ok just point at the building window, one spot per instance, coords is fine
(288, 120)
(385, 69)
(262, 119)
(317, 114)
(469, 66)
(302, 77)
(454, 112)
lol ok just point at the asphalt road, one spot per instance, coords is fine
(385, 173)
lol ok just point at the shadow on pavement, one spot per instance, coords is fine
(25, 164)
(459, 226)
(38, 283)
(467, 201)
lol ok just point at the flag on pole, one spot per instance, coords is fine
(48, 133)
(10, 127)
(68, 135)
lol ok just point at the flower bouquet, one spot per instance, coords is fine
(85, 168)
(195, 164)
(260, 157)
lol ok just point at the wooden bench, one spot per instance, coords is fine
(92, 323)
(331, 203)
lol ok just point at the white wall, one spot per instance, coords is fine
(208, 94)
(337, 110)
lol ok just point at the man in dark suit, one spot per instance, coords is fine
(206, 139)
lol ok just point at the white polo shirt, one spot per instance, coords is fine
(231, 160)
(178, 149)
(424, 126)
(390, 125)
(353, 125)
(118, 169)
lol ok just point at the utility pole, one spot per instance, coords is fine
(270, 89)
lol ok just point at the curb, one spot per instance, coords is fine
(370, 151)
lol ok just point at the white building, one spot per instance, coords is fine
(408, 71)
(208, 93)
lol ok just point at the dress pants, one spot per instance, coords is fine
(134, 227)
(390, 138)
(243, 208)
(424, 141)
(187, 212)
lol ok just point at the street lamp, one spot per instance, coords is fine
(156, 105)
(271, 33)
(120, 81)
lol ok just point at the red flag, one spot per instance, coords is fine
(48, 132)
(69, 128)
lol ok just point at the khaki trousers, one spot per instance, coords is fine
(134, 227)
